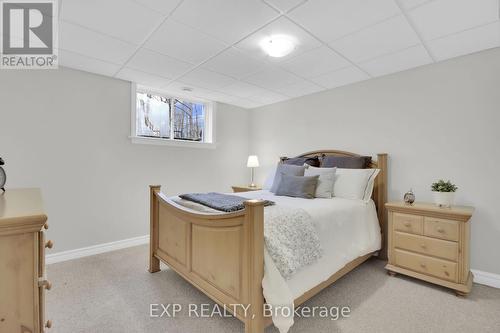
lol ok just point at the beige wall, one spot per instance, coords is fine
(67, 132)
(437, 121)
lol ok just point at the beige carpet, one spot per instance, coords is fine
(111, 293)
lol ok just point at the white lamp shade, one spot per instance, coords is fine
(253, 161)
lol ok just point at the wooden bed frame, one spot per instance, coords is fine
(223, 254)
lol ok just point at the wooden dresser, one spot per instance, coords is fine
(431, 244)
(22, 262)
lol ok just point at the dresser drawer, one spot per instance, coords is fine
(439, 268)
(425, 245)
(408, 223)
(441, 228)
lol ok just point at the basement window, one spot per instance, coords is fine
(163, 119)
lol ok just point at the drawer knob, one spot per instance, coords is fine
(49, 244)
(45, 225)
(48, 324)
(440, 230)
(407, 224)
(423, 246)
(422, 265)
(48, 285)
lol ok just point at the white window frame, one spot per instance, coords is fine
(208, 131)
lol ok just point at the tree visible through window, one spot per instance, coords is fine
(157, 115)
(189, 120)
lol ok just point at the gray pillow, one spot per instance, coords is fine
(346, 162)
(297, 186)
(287, 169)
(312, 161)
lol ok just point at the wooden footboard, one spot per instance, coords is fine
(222, 255)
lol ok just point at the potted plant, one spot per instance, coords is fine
(444, 193)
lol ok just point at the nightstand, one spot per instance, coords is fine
(245, 188)
(431, 244)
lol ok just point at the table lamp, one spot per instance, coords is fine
(253, 162)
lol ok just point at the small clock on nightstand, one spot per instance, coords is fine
(245, 188)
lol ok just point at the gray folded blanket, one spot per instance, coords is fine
(220, 201)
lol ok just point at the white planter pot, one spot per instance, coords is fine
(444, 199)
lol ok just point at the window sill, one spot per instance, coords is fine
(172, 143)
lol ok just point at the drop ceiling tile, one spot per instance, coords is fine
(158, 64)
(177, 89)
(330, 20)
(272, 77)
(142, 78)
(84, 63)
(221, 98)
(242, 89)
(211, 95)
(207, 79)
(299, 89)
(244, 103)
(247, 104)
(282, 26)
(267, 97)
(466, 42)
(386, 37)
(409, 4)
(396, 62)
(315, 62)
(92, 44)
(226, 20)
(163, 6)
(284, 5)
(341, 77)
(124, 19)
(234, 63)
(182, 42)
(443, 17)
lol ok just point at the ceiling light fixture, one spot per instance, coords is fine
(278, 45)
(187, 89)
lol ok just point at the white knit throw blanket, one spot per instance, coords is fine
(290, 238)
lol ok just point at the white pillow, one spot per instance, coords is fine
(354, 183)
(324, 189)
(269, 179)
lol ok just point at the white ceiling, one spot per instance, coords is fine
(212, 46)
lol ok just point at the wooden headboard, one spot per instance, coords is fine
(379, 189)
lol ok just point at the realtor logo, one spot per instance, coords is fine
(29, 34)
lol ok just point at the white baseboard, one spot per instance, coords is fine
(486, 278)
(95, 249)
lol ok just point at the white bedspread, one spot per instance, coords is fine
(347, 228)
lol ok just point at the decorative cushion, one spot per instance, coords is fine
(324, 189)
(313, 161)
(288, 169)
(297, 186)
(354, 183)
(346, 162)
